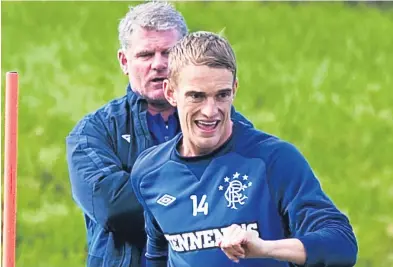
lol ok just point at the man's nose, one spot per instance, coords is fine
(209, 108)
(160, 62)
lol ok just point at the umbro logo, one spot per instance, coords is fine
(126, 137)
(166, 200)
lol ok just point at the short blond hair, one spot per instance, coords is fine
(201, 49)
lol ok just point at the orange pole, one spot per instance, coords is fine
(10, 168)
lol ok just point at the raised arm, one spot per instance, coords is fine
(99, 185)
(319, 234)
(313, 219)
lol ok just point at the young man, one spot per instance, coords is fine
(103, 146)
(224, 186)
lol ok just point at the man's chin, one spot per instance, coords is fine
(160, 103)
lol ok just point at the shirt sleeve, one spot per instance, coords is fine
(157, 245)
(100, 186)
(312, 217)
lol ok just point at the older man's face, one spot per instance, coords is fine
(146, 61)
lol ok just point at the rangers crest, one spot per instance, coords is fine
(235, 189)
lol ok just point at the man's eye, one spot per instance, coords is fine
(145, 55)
(197, 96)
(224, 96)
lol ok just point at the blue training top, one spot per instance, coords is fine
(255, 180)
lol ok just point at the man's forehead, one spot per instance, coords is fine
(196, 84)
(153, 40)
(205, 75)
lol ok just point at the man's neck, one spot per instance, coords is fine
(188, 149)
(165, 111)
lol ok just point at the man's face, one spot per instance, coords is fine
(146, 61)
(203, 96)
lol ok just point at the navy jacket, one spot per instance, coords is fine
(101, 151)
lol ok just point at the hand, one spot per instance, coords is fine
(238, 243)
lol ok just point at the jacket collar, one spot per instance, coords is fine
(134, 97)
(138, 109)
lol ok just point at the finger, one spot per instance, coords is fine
(231, 230)
(234, 230)
(237, 241)
(231, 243)
(236, 251)
(230, 254)
(233, 238)
(237, 236)
(239, 251)
(227, 235)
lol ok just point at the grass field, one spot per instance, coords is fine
(316, 74)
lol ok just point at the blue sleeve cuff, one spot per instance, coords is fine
(314, 252)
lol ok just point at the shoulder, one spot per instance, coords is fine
(238, 117)
(148, 162)
(252, 142)
(100, 120)
(153, 158)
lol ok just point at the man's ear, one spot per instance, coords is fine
(121, 56)
(169, 92)
(235, 86)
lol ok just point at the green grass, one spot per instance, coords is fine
(316, 74)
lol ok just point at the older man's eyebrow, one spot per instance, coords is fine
(144, 53)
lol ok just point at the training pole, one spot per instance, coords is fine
(10, 168)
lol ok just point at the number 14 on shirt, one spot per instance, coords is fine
(199, 207)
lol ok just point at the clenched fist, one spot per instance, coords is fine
(238, 243)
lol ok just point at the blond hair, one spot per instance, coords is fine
(201, 49)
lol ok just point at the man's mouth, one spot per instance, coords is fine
(158, 79)
(207, 126)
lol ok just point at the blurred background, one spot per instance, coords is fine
(318, 74)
